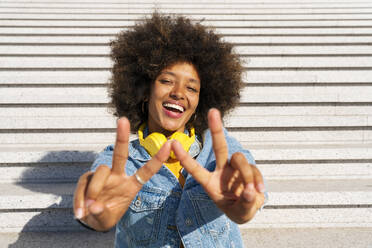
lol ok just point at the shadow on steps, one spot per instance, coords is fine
(56, 174)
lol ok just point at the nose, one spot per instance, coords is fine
(177, 92)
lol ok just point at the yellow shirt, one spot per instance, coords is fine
(175, 168)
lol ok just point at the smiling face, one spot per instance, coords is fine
(173, 99)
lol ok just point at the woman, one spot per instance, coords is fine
(179, 184)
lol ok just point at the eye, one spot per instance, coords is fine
(165, 81)
(192, 89)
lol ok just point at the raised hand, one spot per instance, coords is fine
(101, 198)
(235, 186)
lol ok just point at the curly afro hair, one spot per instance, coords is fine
(141, 53)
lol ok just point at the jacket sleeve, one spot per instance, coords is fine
(103, 158)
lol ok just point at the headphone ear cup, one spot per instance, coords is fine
(154, 142)
(182, 138)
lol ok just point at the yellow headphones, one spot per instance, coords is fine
(153, 142)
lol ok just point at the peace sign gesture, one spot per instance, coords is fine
(102, 197)
(235, 186)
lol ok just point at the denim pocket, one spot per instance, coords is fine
(209, 216)
(142, 219)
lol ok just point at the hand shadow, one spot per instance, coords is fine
(54, 178)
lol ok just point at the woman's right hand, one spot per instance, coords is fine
(102, 197)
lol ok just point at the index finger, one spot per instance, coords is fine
(219, 142)
(198, 172)
(120, 155)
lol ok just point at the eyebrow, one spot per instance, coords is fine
(192, 80)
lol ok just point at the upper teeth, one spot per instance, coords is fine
(175, 106)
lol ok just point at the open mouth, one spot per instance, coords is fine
(174, 107)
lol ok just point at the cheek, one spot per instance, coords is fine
(195, 102)
(154, 97)
(152, 105)
(159, 94)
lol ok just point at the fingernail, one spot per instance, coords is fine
(250, 187)
(88, 202)
(261, 187)
(79, 213)
(96, 209)
(248, 195)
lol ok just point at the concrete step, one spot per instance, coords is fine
(238, 40)
(59, 172)
(41, 154)
(307, 237)
(84, 239)
(250, 94)
(286, 9)
(303, 75)
(315, 170)
(222, 23)
(318, 203)
(66, 162)
(191, 5)
(305, 49)
(224, 31)
(237, 121)
(311, 152)
(64, 49)
(89, 77)
(94, 76)
(290, 111)
(248, 63)
(260, 238)
(267, 152)
(44, 172)
(57, 62)
(253, 139)
(282, 194)
(191, 1)
(193, 16)
(307, 62)
(85, 153)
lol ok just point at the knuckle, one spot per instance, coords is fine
(249, 173)
(92, 192)
(157, 158)
(238, 156)
(221, 148)
(183, 156)
(237, 161)
(147, 171)
(193, 166)
(83, 180)
(257, 173)
(121, 156)
(102, 169)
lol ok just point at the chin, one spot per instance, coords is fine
(172, 127)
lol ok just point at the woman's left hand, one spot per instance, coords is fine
(235, 186)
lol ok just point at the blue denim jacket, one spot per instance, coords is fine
(163, 212)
